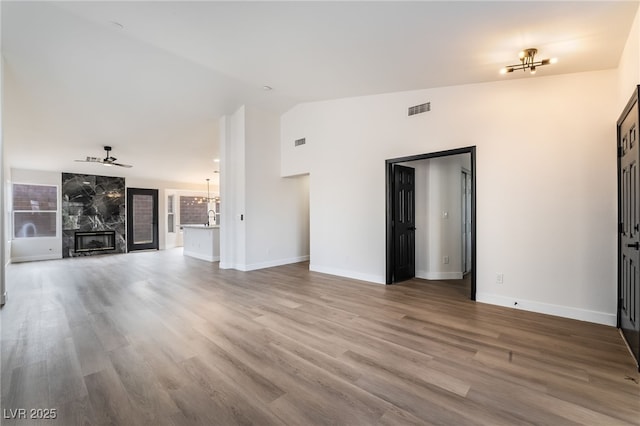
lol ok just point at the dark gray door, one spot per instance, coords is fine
(629, 226)
(142, 219)
(404, 223)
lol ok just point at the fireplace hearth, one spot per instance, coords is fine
(95, 241)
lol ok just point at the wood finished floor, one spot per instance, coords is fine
(155, 338)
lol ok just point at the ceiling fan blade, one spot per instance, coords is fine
(91, 160)
(108, 161)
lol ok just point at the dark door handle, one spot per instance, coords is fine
(635, 245)
(411, 228)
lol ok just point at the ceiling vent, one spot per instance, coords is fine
(299, 142)
(419, 109)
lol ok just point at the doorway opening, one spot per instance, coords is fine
(402, 175)
(628, 143)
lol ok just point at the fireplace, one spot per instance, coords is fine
(95, 241)
(93, 209)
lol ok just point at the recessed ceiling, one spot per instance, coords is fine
(154, 86)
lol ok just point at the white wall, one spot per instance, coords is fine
(276, 208)
(274, 228)
(4, 244)
(232, 191)
(629, 66)
(422, 217)
(546, 183)
(445, 217)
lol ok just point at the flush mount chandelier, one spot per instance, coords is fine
(528, 62)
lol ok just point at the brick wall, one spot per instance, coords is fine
(193, 211)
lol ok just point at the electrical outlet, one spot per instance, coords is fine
(445, 260)
(500, 278)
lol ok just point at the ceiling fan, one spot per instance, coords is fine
(107, 161)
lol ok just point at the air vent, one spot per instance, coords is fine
(299, 142)
(419, 109)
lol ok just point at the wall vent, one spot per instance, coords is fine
(419, 109)
(299, 142)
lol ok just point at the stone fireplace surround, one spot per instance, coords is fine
(93, 206)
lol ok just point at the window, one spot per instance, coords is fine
(35, 210)
(171, 228)
(193, 210)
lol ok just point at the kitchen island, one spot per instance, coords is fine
(202, 242)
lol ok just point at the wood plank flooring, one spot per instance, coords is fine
(156, 338)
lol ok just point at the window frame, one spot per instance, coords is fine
(171, 214)
(56, 212)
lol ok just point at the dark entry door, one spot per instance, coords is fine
(142, 219)
(629, 228)
(404, 223)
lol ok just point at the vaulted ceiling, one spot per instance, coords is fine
(151, 79)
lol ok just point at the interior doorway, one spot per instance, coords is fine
(629, 225)
(402, 207)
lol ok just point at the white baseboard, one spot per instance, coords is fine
(227, 265)
(272, 263)
(425, 275)
(201, 256)
(263, 265)
(348, 274)
(20, 259)
(549, 309)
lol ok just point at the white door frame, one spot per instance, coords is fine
(466, 220)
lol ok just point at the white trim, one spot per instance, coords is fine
(348, 274)
(201, 256)
(272, 263)
(35, 258)
(262, 265)
(439, 275)
(549, 309)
